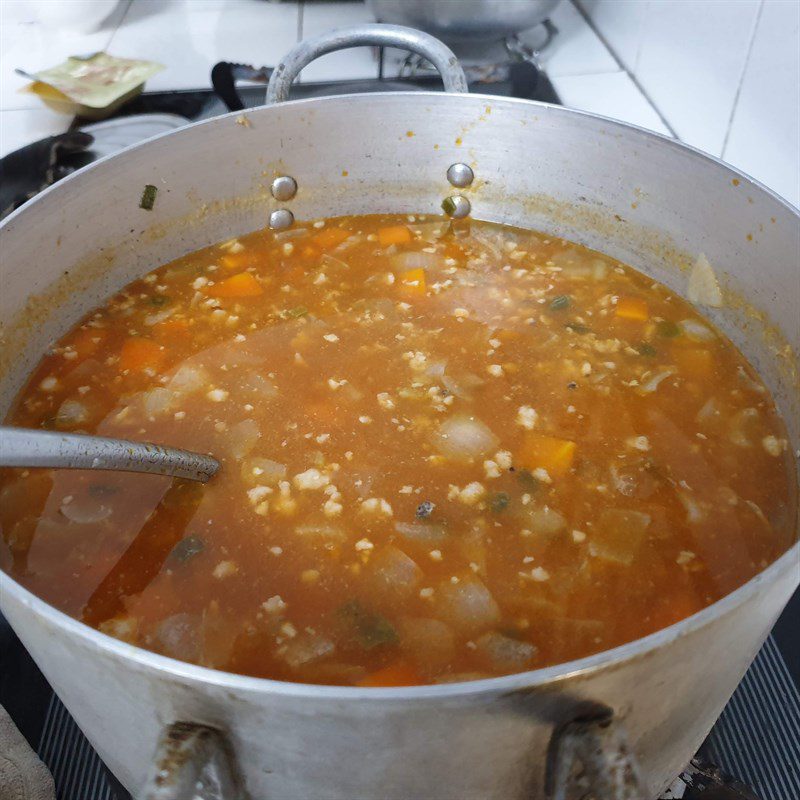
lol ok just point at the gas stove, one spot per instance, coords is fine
(757, 738)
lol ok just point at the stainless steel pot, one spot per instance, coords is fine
(644, 707)
(464, 20)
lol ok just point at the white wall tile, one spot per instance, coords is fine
(30, 39)
(612, 94)
(764, 138)
(190, 36)
(621, 24)
(359, 62)
(691, 63)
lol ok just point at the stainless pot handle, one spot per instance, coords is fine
(376, 35)
(590, 757)
(193, 762)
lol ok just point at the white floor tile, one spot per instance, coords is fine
(19, 127)
(610, 94)
(190, 36)
(32, 39)
(764, 138)
(360, 62)
(691, 63)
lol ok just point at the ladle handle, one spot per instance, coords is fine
(375, 35)
(24, 447)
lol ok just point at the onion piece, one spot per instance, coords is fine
(330, 533)
(462, 384)
(263, 471)
(331, 262)
(242, 438)
(305, 649)
(257, 384)
(619, 534)
(652, 383)
(696, 331)
(85, 510)
(290, 233)
(421, 532)
(188, 378)
(404, 262)
(154, 319)
(71, 414)
(429, 642)
(740, 422)
(703, 285)
(463, 438)
(179, 636)
(467, 605)
(392, 570)
(503, 654)
(429, 231)
(156, 401)
(545, 521)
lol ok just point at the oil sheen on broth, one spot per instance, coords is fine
(448, 452)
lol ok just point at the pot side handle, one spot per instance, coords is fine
(376, 35)
(192, 762)
(591, 754)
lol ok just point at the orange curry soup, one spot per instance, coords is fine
(449, 451)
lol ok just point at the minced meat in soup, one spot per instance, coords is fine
(449, 451)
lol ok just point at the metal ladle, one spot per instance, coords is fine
(25, 447)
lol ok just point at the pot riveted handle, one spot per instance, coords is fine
(193, 762)
(376, 35)
(590, 757)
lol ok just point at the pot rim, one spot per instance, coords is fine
(538, 678)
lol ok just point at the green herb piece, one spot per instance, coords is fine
(159, 300)
(187, 548)
(668, 329)
(148, 197)
(646, 349)
(576, 327)
(528, 482)
(560, 303)
(449, 206)
(297, 311)
(499, 501)
(370, 630)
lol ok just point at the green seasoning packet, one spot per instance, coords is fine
(99, 79)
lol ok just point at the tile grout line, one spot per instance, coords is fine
(750, 46)
(622, 68)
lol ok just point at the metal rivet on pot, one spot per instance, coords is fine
(283, 187)
(280, 219)
(460, 175)
(456, 206)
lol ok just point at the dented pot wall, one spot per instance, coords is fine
(634, 195)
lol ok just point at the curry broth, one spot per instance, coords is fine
(448, 451)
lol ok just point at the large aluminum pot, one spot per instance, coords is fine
(640, 197)
(464, 20)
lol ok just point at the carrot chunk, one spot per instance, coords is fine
(695, 362)
(414, 280)
(170, 329)
(398, 674)
(330, 237)
(632, 308)
(242, 285)
(85, 341)
(396, 234)
(237, 260)
(138, 354)
(546, 452)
